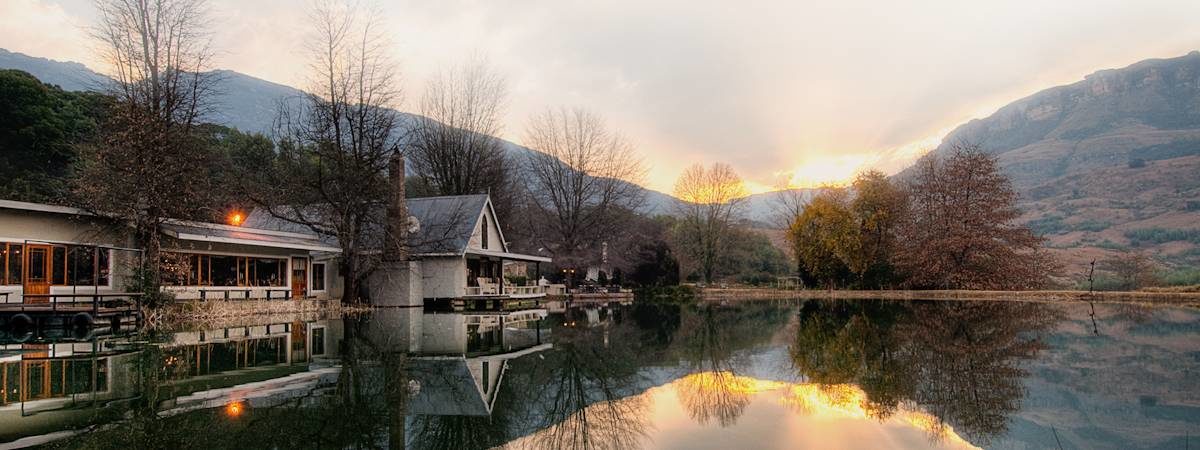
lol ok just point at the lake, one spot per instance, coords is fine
(755, 374)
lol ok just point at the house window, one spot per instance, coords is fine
(266, 271)
(11, 263)
(318, 276)
(70, 265)
(225, 270)
(318, 341)
(185, 269)
(58, 265)
(484, 231)
(82, 263)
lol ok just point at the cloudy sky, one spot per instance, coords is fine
(809, 92)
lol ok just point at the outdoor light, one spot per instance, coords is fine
(236, 218)
(234, 409)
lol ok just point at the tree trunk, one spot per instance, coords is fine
(350, 279)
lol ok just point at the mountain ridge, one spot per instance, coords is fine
(242, 101)
(1096, 162)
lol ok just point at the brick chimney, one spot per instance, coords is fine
(396, 239)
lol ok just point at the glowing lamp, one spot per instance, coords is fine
(234, 409)
(235, 218)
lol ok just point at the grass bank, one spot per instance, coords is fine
(1145, 297)
(217, 314)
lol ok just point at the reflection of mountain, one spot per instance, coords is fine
(1132, 386)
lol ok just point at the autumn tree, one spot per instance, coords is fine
(960, 231)
(580, 179)
(878, 207)
(824, 236)
(453, 145)
(710, 204)
(147, 165)
(333, 148)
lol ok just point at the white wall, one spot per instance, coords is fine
(494, 240)
(443, 334)
(443, 277)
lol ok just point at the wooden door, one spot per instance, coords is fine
(37, 272)
(299, 277)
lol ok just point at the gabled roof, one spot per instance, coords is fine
(445, 224)
(447, 388)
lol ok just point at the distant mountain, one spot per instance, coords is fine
(70, 76)
(244, 102)
(1108, 163)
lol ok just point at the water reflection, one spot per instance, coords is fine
(959, 361)
(863, 374)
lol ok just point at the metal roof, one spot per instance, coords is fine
(192, 231)
(445, 224)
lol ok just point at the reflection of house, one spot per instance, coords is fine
(457, 360)
(46, 386)
(458, 244)
(46, 249)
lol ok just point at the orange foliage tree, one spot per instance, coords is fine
(959, 233)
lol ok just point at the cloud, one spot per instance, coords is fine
(767, 86)
(43, 28)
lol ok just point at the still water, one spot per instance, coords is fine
(798, 374)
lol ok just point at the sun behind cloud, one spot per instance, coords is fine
(825, 170)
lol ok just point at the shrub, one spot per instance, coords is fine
(1181, 277)
(1142, 236)
(1047, 225)
(1092, 225)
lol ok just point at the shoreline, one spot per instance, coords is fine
(216, 314)
(1157, 298)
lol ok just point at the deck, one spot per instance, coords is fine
(77, 310)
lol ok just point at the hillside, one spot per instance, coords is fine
(1108, 163)
(242, 101)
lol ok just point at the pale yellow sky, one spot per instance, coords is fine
(806, 91)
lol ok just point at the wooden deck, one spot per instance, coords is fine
(113, 308)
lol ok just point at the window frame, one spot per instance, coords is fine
(312, 285)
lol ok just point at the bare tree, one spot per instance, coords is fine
(710, 205)
(1133, 270)
(147, 163)
(580, 176)
(331, 174)
(787, 202)
(454, 146)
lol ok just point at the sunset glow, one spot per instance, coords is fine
(829, 170)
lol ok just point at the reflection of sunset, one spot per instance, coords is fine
(753, 413)
(728, 382)
(845, 401)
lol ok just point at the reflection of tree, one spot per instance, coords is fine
(458, 432)
(721, 395)
(709, 340)
(960, 361)
(581, 395)
(968, 355)
(843, 342)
